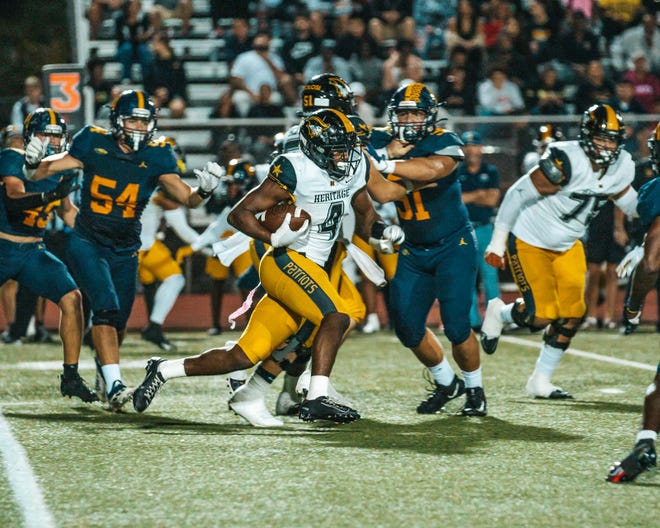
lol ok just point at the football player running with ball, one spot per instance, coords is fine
(539, 226)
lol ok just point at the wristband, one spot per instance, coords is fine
(204, 194)
(382, 153)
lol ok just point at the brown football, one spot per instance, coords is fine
(274, 216)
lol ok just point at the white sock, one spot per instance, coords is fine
(505, 313)
(258, 384)
(318, 386)
(472, 379)
(165, 297)
(442, 373)
(645, 434)
(240, 375)
(548, 359)
(172, 368)
(111, 373)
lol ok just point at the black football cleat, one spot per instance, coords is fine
(75, 386)
(119, 395)
(440, 395)
(475, 402)
(154, 334)
(642, 458)
(630, 321)
(323, 408)
(147, 390)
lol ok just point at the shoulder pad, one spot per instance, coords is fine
(444, 143)
(380, 137)
(11, 163)
(556, 166)
(281, 171)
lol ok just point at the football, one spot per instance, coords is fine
(274, 216)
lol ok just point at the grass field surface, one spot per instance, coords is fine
(187, 461)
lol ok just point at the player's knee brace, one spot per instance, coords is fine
(556, 329)
(525, 317)
(297, 366)
(106, 317)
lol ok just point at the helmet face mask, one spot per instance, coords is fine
(547, 134)
(412, 112)
(329, 139)
(45, 122)
(133, 119)
(601, 134)
(327, 90)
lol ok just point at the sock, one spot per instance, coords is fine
(70, 371)
(442, 373)
(548, 359)
(472, 379)
(111, 374)
(318, 386)
(239, 375)
(505, 314)
(265, 375)
(172, 368)
(165, 297)
(647, 434)
(259, 383)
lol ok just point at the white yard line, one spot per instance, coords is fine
(22, 480)
(57, 365)
(583, 353)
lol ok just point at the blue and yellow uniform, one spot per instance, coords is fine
(103, 247)
(30, 263)
(438, 258)
(648, 202)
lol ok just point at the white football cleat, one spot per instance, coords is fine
(539, 386)
(250, 405)
(491, 329)
(372, 324)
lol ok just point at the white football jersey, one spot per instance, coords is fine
(555, 222)
(326, 200)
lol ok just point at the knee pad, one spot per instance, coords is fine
(296, 367)
(408, 337)
(106, 317)
(558, 328)
(457, 335)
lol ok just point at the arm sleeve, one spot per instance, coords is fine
(176, 219)
(628, 203)
(212, 233)
(520, 195)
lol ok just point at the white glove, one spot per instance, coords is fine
(209, 177)
(393, 235)
(630, 261)
(35, 151)
(384, 166)
(284, 235)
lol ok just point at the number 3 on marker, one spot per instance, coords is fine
(68, 84)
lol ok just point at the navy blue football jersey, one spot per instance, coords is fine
(116, 186)
(29, 222)
(648, 205)
(430, 215)
(486, 177)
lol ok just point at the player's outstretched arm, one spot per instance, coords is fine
(51, 165)
(425, 169)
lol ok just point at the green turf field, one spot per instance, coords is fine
(189, 462)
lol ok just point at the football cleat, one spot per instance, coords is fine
(491, 329)
(99, 385)
(539, 386)
(323, 408)
(372, 324)
(475, 402)
(250, 405)
(151, 384)
(302, 386)
(214, 331)
(642, 458)
(119, 395)
(75, 386)
(287, 404)
(41, 335)
(630, 321)
(440, 395)
(154, 334)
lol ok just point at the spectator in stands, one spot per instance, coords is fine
(647, 85)
(431, 18)
(238, 41)
(365, 110)
(546, 95)
(457, 91)
(497, 95)
(98, 11)
(97, 82)
(497, 14)
(624, 100)
(616, 15)
(466, 29)
(644, 37)
(392, 19)
(259, 66)
(541, 32)
(262, 146)
(402, 64)
(300, 47)
(513, 58)
(165, 79)
(167, 9)
(327, 62)
(367, 68)
(350, 43)
(133, 31)
(33, 99)
(221, 9)
(579, 44)
(595, 88)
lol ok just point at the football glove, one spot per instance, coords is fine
(629, 262)
(64, 188)
(35, 151)
(209, 177)
(284, 236)
(392, 236)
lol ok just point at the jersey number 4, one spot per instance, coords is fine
(103, 203)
